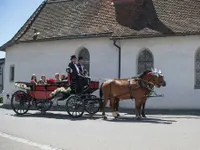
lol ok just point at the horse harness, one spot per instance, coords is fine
(149, 86)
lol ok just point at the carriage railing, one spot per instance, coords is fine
(43, 92)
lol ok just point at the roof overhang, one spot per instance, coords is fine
(6, 45)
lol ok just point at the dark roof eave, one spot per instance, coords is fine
(6, 45)
(152, 36)
(71, 37)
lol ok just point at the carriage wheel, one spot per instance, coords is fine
(43, 105)
(92, 104)
(75, 106)
(20, 102)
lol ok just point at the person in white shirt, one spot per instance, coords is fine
(80, 64)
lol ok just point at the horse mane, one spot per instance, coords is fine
(144, 73)
(141, 75)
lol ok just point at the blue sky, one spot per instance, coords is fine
(13, 14)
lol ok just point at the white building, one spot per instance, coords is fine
(117, 40)
(2, 66)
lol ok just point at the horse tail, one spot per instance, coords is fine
(101, 96)
(100, 91)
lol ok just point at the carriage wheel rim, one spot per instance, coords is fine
(75, 107)
(20, 106)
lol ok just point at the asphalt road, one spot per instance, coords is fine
(57, 131)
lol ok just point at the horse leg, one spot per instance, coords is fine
(143, 109)
(137, 109)
(117, 107)
(112, 107)
(104, 106)
(103, 110)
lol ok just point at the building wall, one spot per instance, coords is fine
(175, 56)
(2, 66)
(51, 57)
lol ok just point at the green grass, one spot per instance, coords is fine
(1, 99)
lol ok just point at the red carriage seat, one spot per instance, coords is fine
(94, 84)
(69, 79)
(43, 92)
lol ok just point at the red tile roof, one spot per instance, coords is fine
(57, 19)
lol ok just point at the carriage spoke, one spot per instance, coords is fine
(74, 106)
(20, 102)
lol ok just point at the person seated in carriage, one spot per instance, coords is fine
(62, 77)
(57, 77)
(33, 79)
(80, 65)
(42, 81)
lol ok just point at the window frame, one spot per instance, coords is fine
(12, 73)
(196, 70)
(145, 61)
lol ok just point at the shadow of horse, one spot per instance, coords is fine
(139, 14)
(58, 116)
(143, 120)
(95, 117)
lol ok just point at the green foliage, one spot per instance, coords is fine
(1, 99)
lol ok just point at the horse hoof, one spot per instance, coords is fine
(143, 115)
(105, 118)
(138, 118)
(118, 115)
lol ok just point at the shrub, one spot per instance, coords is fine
(1, 99)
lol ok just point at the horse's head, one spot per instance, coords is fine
(161, 81)
(155, 77)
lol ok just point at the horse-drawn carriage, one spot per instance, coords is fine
(43, 96)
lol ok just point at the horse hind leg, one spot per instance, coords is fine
(104, 103)
(117, 107)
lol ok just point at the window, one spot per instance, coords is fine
(197, 70)
(145, 61)
(12, 73)
(86, 58)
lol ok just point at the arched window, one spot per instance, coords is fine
(197, 69)
(86, 58)
(145, 61)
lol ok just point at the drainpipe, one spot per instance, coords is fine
(119, 64)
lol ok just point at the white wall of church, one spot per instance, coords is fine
(175, 56)
(50, 57)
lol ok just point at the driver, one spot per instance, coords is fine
(75, 74)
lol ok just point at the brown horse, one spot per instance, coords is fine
(134, 88)
(142, 111)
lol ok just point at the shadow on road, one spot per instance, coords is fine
(97, 116)
(143, 120)
(59, 116)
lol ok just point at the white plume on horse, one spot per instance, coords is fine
(156, 72)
